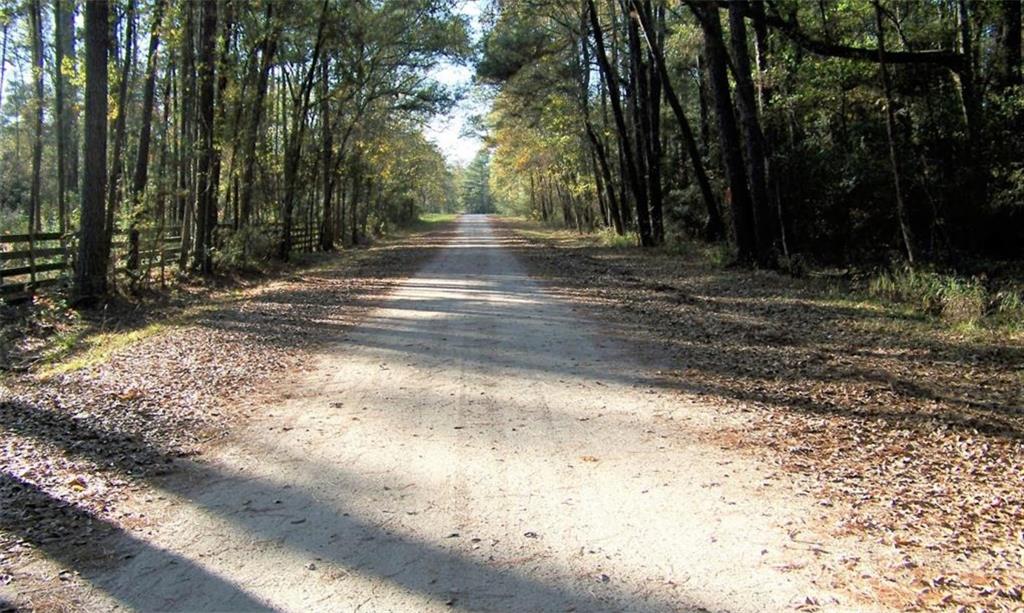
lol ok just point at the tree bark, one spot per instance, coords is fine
(206, 201)
(36, 39)
(753, 136)
(625, 144)
(718, 79)
(93, 253)
(141, 175)
(268, 48)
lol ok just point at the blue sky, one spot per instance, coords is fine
(448, 131)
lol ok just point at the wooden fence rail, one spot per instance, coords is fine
(29, 262)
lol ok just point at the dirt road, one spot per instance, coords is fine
(475, 444)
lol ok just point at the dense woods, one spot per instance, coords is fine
(830, 132)
(139, 137)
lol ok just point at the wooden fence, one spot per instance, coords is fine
(29, 262)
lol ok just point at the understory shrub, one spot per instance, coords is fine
(957, 300)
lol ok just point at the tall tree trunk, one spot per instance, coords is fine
(206, 201)
(718, 79)
(603, 177)
(715, 227)
(976, 165)
(625, 144)
(120, 124)
(890, 129)
(614, 210)
(764, 99)
(702, 107)
(268, 48)
(186, 139)
(36, 39)
(326, 159)
(223, 64)
(60, 113)
(294, 147)
(141, 175)
(654, 147)
(357, 177)
(93, 253)
(160, 200)
(70, 94)
(639, 106)
(746, 100)
(3, 61)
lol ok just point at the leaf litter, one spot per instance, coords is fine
(75, 447)
(910, 435)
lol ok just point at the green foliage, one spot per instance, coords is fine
(474, 185)
(954, 299)
(246, 249)
(606, 237)
(438, 218)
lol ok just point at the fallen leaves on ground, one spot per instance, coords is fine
(75, 446)
(911, 435)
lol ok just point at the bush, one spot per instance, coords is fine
(954, 299)
(245, 249)
(606, 237)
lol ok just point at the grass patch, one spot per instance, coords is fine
(965, 305)
(608, 238)
(437, 218)
(87, 347)
(75, 352)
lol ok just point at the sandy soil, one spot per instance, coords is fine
(475, 444)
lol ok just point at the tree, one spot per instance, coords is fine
(141, 175)
(267, 50)
(753, 137)
(717, 61)
(93, 252)
(120, 124)
(206, 205)
(475, 190)
(36, 34)
(610, 75)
